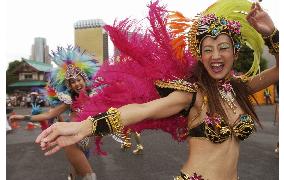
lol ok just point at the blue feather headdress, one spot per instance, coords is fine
(71, 63)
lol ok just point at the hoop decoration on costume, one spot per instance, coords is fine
(223, 17)
(71, 62)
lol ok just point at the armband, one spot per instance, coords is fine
(272, 41)
(28, 118)
(106, 123)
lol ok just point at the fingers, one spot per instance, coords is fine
(13, 118)
(250, 17)
(252, 14)
(253, 11)
(258, 7)
(44, 146)
(252, 6)
(52, 151)
(60, 142)
(49, 135)
(43, 134)
(251, 20)
(54, 138)
(51, 147)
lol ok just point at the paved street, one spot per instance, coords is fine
(161, 160)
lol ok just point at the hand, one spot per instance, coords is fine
(260, 20)
(60, 134)
(16, 118)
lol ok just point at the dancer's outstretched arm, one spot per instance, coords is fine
(43, 116)
(62, 134)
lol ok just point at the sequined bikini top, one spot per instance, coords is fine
(217, 130)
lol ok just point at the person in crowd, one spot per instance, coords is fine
(9, 110)
(267, 96)
(28, 100)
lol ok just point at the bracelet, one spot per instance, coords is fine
(107, 123)
(272, 41)
(27, 118)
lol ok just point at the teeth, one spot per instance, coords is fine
(216, 64)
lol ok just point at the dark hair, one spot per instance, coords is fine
(75, 95)
(210, 87)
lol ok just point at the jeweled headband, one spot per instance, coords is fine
(211, 25)
(72, 72)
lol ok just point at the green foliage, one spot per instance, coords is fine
(263, 64)
(10, 76)
(245, 60)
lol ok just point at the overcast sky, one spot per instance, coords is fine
(54, 19)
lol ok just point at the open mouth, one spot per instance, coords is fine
(79, 89)
(217, 67)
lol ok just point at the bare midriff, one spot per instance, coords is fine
(212, 161)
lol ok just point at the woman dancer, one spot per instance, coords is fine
(72, 76)
(220, 111)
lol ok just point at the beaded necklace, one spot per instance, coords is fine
(227, 94)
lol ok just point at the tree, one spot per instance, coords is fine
(10, 76)
(245, 60)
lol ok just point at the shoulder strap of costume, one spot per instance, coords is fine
(166, 87)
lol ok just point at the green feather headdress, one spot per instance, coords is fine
(187, 31)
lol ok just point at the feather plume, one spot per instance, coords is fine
(146, 55)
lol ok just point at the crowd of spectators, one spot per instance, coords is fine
(26, 99)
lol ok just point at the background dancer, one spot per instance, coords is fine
(73, 75)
